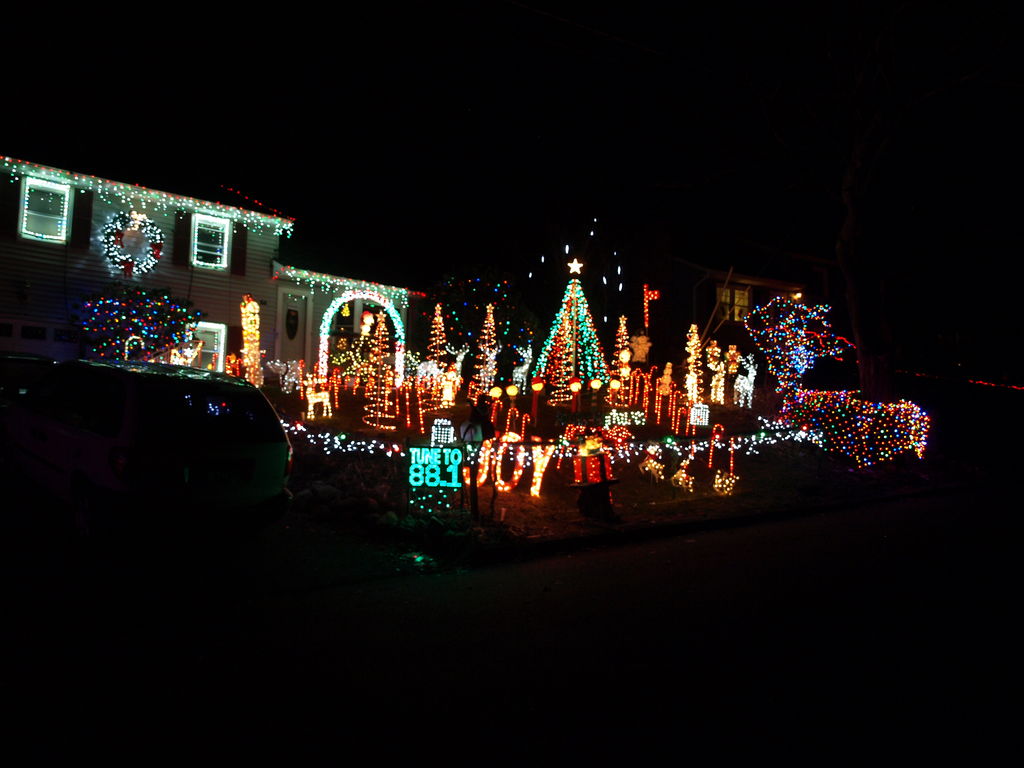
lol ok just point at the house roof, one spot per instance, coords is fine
(124, 194)
(328, 283)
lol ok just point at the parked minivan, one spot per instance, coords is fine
(131, 444)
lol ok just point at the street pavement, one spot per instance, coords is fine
(882, 632)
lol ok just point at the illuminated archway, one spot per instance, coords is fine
(376, 298)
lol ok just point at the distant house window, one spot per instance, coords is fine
(45, 210)
(214, 337)
(733, 302)
(34, 332)
(66, 336)
(211, 237)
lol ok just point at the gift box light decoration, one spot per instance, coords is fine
(442, 432)
(591, 464)
(700, 415)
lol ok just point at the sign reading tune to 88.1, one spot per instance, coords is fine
(435, 467)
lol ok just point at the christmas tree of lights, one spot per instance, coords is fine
(380, 410)
(572, 348)
(438, 344)
(127, 321)
(622, 346)
(486, 358)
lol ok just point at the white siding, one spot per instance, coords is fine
(43, 281)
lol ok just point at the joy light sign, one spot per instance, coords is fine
(434, 467)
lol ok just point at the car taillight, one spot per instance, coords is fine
(119, 461)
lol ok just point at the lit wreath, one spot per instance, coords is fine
(113, 242)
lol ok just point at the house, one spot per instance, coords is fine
(65, 236)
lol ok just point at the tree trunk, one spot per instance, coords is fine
(865, 298)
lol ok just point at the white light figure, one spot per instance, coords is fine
(717, 367)
(693, 388)
(288, 371)
(743, 387)
(450, 385)
(187, 353)
(521, 372)
(442, 432)
(665, 384)
(640, 345)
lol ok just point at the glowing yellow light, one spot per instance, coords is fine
(511, 390)
(251, 340)
(614, 384)
(575, 384)
(537, 384)
(596, 384)
(495, 392)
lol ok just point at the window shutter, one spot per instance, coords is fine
(182, 239)
(239, 247)
(81, 219)
(10, 204)
(234, 343)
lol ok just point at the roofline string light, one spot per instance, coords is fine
(122, 195)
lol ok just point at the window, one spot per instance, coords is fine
(211, 238)
(214, 337)
(45, 210)
(733, 302)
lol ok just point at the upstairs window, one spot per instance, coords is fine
(211, 238)
(45, 210)
(733, 302)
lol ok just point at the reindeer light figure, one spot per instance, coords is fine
(314, 397)
(743, 387)
(521, 372)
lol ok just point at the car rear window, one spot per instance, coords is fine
(182, 410)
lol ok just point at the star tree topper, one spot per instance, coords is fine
(575, 266)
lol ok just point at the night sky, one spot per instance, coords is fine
(418, 139)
